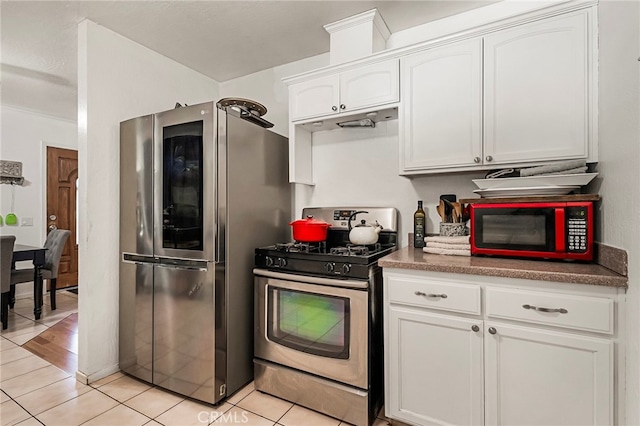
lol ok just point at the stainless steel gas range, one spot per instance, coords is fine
(318, 315)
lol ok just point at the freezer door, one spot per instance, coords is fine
(185, 331)
(136, 316)
(184, 182)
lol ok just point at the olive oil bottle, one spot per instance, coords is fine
(419, 218)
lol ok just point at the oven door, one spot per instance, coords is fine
(317, 325)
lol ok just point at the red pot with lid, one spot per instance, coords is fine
(309, 230)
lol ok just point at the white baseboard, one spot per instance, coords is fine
(84, 379)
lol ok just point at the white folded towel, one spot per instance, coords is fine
(447, 240)
(434, 244)
(435, 250)
(575, 171)
(560, 166)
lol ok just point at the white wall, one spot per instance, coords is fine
(25, 137)
(619, 123)
(117, 80)
(359, 167)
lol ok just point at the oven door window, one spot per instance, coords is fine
(309, 322)
(516, 229)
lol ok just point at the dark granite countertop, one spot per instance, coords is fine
(568, 272)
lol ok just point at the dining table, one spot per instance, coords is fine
(36, 255)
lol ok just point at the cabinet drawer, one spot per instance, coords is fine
(564, 310)
(434, 294)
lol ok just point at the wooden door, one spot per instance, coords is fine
(62, 177)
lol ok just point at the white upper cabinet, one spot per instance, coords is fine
(513, 97)
(369, 86)
(351, 90)
(516, 91)
(440, 118)
(314, 98)
(536, 91)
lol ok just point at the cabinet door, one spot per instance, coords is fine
(314, 98)
(536, 91)
(440, 122)
(434, 368)
(540, 377)
(371, 85)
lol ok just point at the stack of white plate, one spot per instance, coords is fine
(531, 185)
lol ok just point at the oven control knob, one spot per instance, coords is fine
(282, 262)
(268, 261)
(346, 268)
(330, 266)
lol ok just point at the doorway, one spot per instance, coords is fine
(62, 196)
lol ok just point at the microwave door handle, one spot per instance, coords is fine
(560, 230)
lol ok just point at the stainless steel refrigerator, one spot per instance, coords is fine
(200, 187)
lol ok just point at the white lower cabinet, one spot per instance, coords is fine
(528, 357)
(434, 383)
(542, 377)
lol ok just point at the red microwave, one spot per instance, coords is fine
(546, 230)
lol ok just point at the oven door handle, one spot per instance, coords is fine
(313, 280)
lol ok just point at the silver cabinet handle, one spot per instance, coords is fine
(492, 330)
(539, 309)
(476, 159)
(343, 106)
(334, 108)
(475, 328)
(419, 293)
(488, 158)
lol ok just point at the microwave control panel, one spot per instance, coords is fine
(577, 229)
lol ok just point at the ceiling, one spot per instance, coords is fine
(221, 39)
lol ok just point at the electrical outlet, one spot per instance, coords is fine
(26, 221)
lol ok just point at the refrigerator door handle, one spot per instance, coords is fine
(186, 268)
(186, 264)
(218, 256)
(138, 258)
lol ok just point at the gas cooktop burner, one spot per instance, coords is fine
(336, 257)
(354, 250)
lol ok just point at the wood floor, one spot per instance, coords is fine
(58, 344)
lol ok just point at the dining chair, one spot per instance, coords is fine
(56, 239)
(6, 257)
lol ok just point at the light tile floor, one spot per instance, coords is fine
(34, 392)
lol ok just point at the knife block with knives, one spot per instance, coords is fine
(454, 216)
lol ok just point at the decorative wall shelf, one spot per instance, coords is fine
(11, 172)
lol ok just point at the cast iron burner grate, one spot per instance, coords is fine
(300, 247)
(356, 250)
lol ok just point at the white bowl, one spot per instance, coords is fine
(526, 191)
